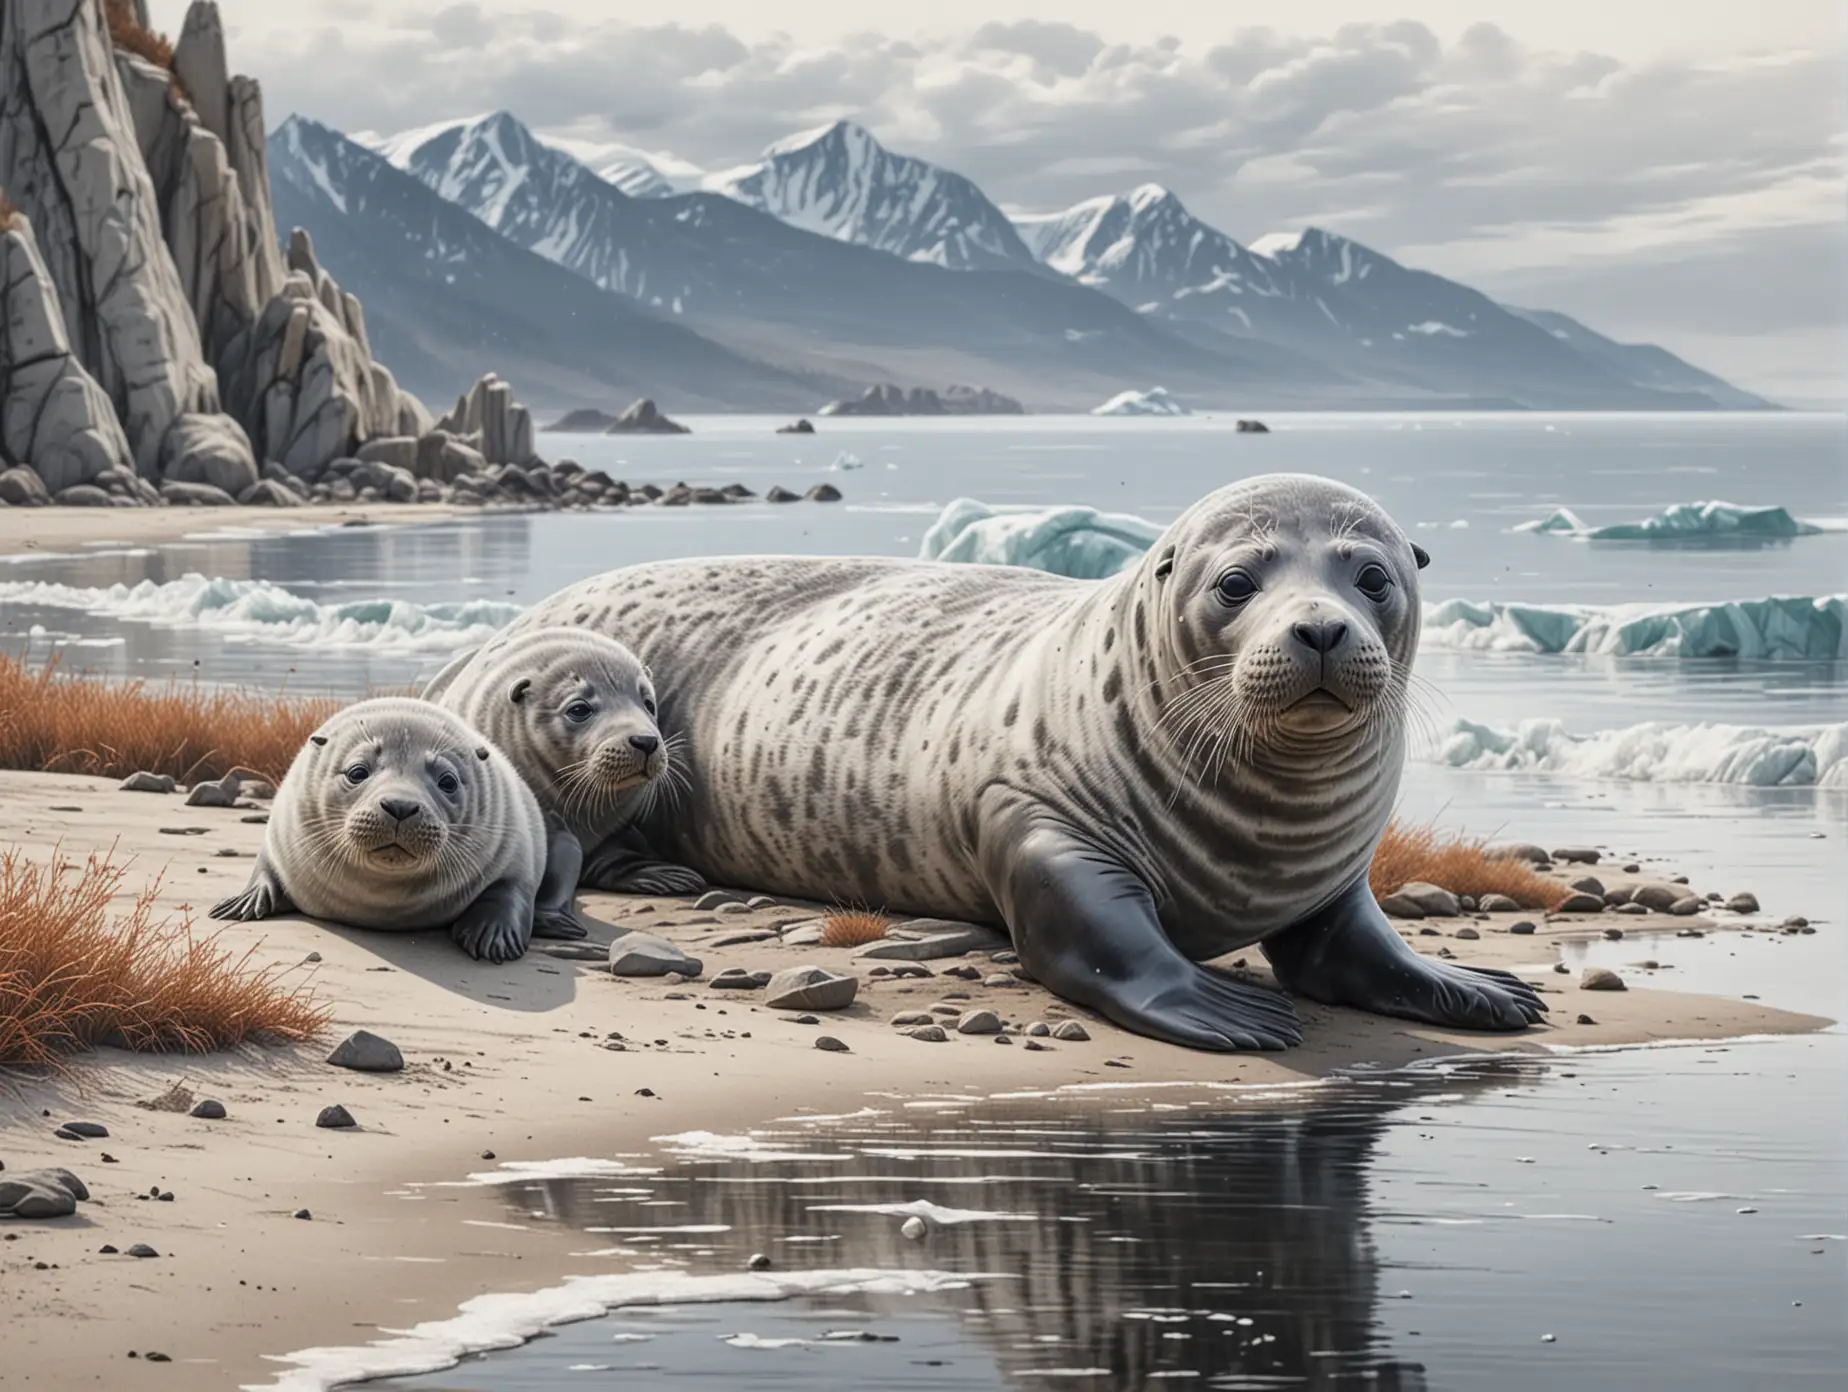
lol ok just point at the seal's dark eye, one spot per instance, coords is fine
(449, 783)
(358, 774)
(648, 704)
(578, 712)
(1373, 581)
(1235, 587)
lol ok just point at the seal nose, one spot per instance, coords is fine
(402, 809)
(646, 744)
(1321, 636)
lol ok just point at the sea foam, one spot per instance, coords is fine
(1782, 626)
(259, 611)
(1655, 752)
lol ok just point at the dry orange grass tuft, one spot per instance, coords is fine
(853, 928)
(73, 976)
(8, 213)
(49, 722)
(127, 34)
(1456, 863)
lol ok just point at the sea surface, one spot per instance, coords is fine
(1672, 1217)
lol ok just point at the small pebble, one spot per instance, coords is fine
(141, 1249)
(208, 1110)
(303, 1214)
(1613, 933)
(914, 1228)
(1521, 929)
(830, 1044)
(335, 1118)
(1586, 1020)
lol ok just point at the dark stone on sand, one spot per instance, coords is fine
(145, 782)
(978, 1022)
(758, 1262)
(930, 1034)
(829, 1044)
(335, 1118)
(1601, 979)
(1517, 850)
(141, 1249)
(1659, 897)
(1497, 903)
(1468, 934)
(1578, 855)
(303, 1214)
(1522, 929)
(366, 1052)
(712, 898)
(780, 494)
(1687, 907)
(643, 954)
(1586, 1020)
(810, 988)
(1071, 1030)
(1743, 903)
(208, 1110)
(1581, 903)
(1398, 906)
(47, 1193)
(823, 493)
(1589, 884)
(1614, 934)
(88, 1130)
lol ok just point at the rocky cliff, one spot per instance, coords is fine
(156, 336)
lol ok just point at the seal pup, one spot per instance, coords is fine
(1134, 775)
(574, 712)
(396, 815)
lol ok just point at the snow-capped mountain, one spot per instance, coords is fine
(752, 279)
(447, 299)
(841, 182)
(638, 173)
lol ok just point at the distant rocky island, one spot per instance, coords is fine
(641, 418)
(887, 399)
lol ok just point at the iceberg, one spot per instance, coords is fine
(1779, 628)
(1153, 402)
(1655, 752)
(256, 610)
(1080, 542)
(1683, 522)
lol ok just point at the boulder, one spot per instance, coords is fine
(84, 495)
(53, 415)
(780, 494)
(1578, 855)
(209, 449)
(1435, 901)
(195, 495)
(1580, 902)
(1659, 897)
(399, 451)
(1743, 903)
(1497, 903)
(823, 493)
(800, 427)
(22, 487)
(810, 988)
(269, 493)
(978, 1022)
(643, 954)
(1517, 850)
(366, 1052)
(1398, 906)
(488, 413)
(1601, 979)
(645, 418)
(889, 399)
(1071, 1031)
(47, 1193)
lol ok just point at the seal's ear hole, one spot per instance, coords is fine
(317, 739)
(518, 694)
(1424, 556)
(482, 752)
(1164, 566)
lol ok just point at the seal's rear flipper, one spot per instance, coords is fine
(263, 897)
(625, 864)
(1086, 928)
(498, 926)
(553, 915)
(1349, 954)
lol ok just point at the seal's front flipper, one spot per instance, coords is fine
(1349, 954)
(263, 897)
(1086, 928)
(498, 926)
(624, 864)
(553, 915)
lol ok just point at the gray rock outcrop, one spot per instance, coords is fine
(53, 415)
(888, 399)
(491, 421)
(645, 418)
(70, 160)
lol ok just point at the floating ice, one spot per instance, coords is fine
(1681, 522)
(1074, 541)
(1153, 402)
(1656, 752)
(256, 610)
(924, 1208)
(1782, 626)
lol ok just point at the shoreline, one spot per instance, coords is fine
(514, 1060)
(74, 531)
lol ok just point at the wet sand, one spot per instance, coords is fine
(516, 1060)
(54, 531)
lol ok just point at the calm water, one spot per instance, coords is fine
(1186, 1237)
(1673, 1217)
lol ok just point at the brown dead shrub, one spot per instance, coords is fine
(853, 928)
(1457, 863)
(9, 215)
(74, 975)
(126, 33)
(50, 722)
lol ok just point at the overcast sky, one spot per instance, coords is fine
(1665, 172)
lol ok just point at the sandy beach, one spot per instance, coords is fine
(55, 531)
(517, 1061)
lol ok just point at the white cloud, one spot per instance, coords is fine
(1459, 147)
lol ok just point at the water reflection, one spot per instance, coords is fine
(1182, 1240)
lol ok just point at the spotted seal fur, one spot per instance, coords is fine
(1133, 775)
(396, 815)
(574, 712)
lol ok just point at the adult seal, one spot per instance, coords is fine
(1134, 775)
(396, 815)
(574, 712)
